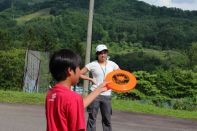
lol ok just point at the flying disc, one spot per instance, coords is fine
(121, 80)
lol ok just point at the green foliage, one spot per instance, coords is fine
(145, 87)
(131, 57)
(146, 83)
(174, 88)
(114, 21)
(177, 83)
(5, 39)
(5, 4)
(11, 69)
(192, 55)
(188, 103)
(5, 22)
(42, 41)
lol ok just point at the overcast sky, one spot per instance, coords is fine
(183, 4)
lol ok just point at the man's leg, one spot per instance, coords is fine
(106, 111)
(92, 110)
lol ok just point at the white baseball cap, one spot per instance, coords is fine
(101, 47)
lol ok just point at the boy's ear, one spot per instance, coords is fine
(69, 71)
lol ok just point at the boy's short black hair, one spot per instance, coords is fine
(61, 61)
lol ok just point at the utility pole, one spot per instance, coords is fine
(89, 40)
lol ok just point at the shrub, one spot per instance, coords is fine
(11, 69)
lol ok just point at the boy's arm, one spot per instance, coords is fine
(89, 98)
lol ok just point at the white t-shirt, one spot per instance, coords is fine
(99, 73)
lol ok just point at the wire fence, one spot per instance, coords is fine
(36, 72)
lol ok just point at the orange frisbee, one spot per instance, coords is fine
(121, 80)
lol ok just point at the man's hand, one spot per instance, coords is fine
(93, 81)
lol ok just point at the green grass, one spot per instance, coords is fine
(123, 105)
(132, 106)
(44, 13)
(21, 97)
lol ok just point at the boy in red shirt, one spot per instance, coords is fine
(65, 108)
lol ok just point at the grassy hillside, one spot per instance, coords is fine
(44, 13)
(124, 49)
(32, 1)
(114, 21)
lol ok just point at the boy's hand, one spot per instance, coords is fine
(103, 86)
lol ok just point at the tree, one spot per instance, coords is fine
(192, 55)
(5, 40)
(11, 69)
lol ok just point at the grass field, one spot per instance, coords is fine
(123, 105)
(133, 106)
(21, 97)
(39, 14)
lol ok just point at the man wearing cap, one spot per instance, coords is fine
(99, 69)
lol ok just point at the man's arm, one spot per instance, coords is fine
(83, 76)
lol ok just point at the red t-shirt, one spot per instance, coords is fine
(64, 110)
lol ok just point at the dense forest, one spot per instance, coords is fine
(157, 44)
